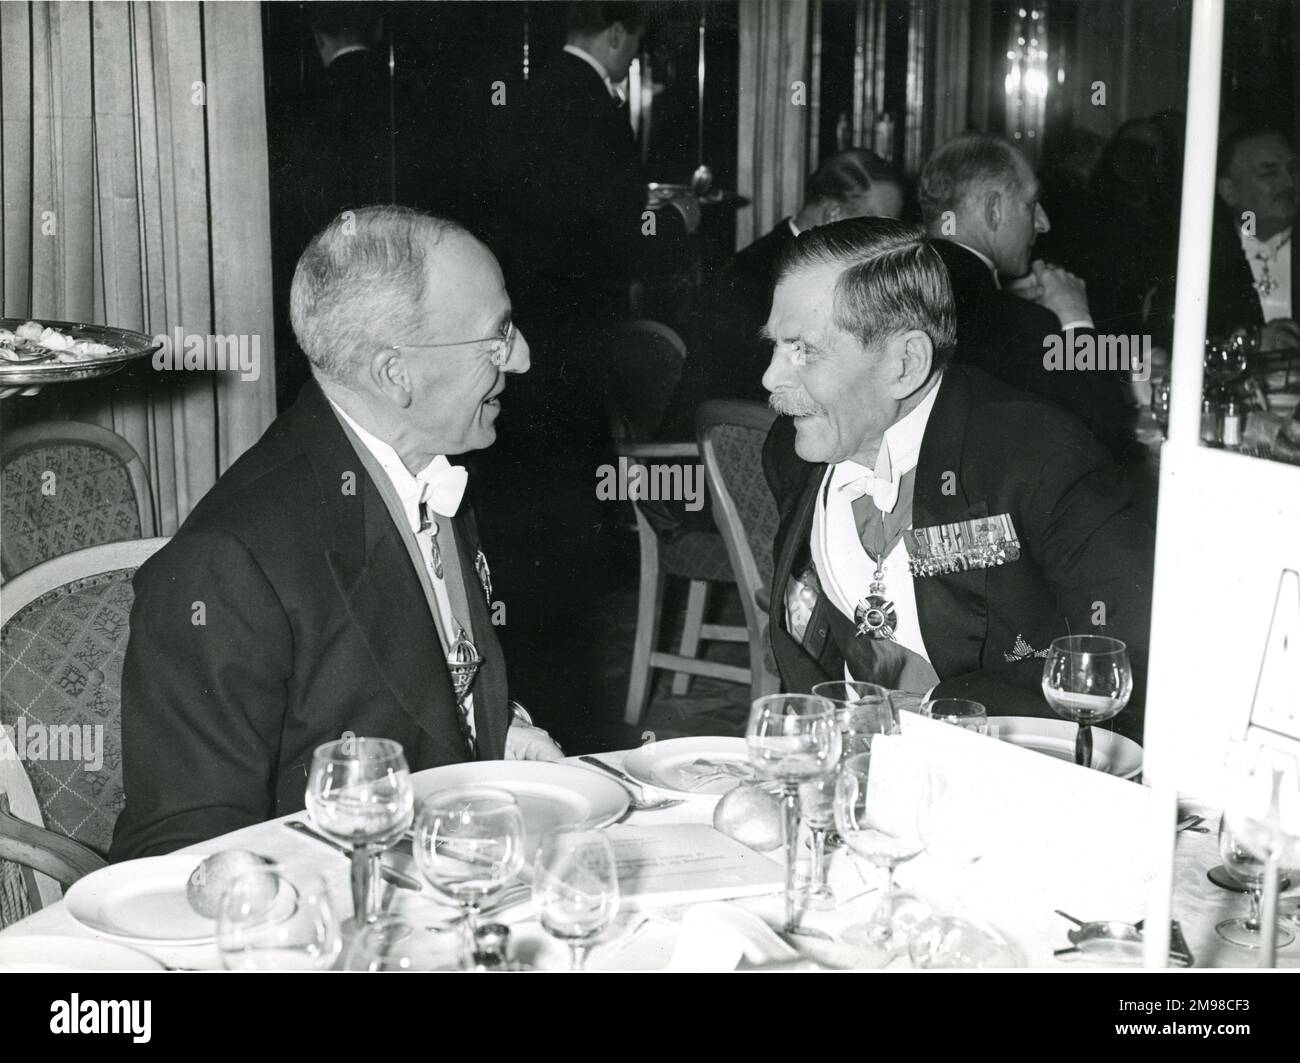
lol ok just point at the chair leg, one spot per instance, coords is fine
(690, 647)
(650, 597)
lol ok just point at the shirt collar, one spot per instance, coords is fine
(1273, 243)
(597, 66)
(988, 262)
(345, 51)
(410, 489)
(794, 229)
(900, 449)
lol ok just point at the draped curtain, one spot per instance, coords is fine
(134, 169)
(776, 94)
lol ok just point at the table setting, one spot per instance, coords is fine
(850, 829)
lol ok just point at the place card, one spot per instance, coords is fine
(688, 863)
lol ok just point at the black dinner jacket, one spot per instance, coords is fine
(283, 614)
(1234, 302)
(1082, 544)
(1005, 336)
(578, 193)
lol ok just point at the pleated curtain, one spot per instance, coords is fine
(775, 94)
(134, 170)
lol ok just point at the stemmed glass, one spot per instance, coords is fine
(1088, 679)
(883, 831)
(359, 792)
(575, 884)
(959, 712)
(277, 917)
(469, 844)
(792, 738)
(1245, 867)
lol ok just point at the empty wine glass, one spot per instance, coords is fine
(277, 917)
(575, 884)
(817, 809)
(959, 712)
(469, 844)
(885, 828)
(359, 792)
(792, 738)
(862, 710)
(1244, 866)
(397, 943)
(1088, 679)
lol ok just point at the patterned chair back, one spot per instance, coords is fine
(62, 645)
(65, 486)
(731, 442)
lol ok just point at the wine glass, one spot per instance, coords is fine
(959, 712)
(277, 917)
(792, 738)
(1088, 679)
(396, 943)
(575, 885)
(862, 711)
(359, 792)
(469, 844)
(884, 828)
(1244, 866)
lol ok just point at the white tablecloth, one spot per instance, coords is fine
(976, 891)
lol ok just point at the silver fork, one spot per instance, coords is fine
(634, 788)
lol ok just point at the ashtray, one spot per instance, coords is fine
(1112, 941)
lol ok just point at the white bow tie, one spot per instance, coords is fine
(444, 486)
(884, 493)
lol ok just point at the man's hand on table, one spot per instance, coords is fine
(524, 741)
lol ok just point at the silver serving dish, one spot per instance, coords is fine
(127, 347)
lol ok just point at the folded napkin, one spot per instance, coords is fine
(716, 937)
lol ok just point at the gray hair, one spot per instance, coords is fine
(360, 285)
(893, 280)
(967, 165)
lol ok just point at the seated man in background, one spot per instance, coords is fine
(729, 352)
(948, 526)
(319, 588)
(980, 200)
(1252, 284)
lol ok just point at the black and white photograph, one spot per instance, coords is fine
(686, 486)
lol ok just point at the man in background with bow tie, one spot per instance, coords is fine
(322, 586)
(938, 528)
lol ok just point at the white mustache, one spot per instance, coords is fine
(790, 406)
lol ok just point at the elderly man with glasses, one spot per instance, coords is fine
(332, 583)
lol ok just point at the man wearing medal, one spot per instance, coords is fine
(949, 525)
(332, 582)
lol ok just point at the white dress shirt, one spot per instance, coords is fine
(1271, 258)
(411, 490)
(844, 568)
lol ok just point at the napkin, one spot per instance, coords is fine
(716, 937)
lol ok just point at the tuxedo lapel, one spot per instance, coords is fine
(491, 689)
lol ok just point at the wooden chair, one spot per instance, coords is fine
(65, 486)
(731, 436)
(643, 376)
(63, 633)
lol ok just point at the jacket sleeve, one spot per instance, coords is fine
(204, 693)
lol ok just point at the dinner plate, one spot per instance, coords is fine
(57, 953)
(1111, 753)
(127, 347)
(142, 902)
(674, 764)
(549, 795)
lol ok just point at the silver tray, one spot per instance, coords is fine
(129, 346)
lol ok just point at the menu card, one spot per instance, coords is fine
(687, 863)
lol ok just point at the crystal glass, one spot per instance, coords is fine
(958, 711)
(863, 710)
(817, 809)
(396, 943)
(359, 792)
(277, 917)
(792, 739)
(575, 885)
(882, 827)
(469, 844)
(1088, 679)
(1245, 867)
